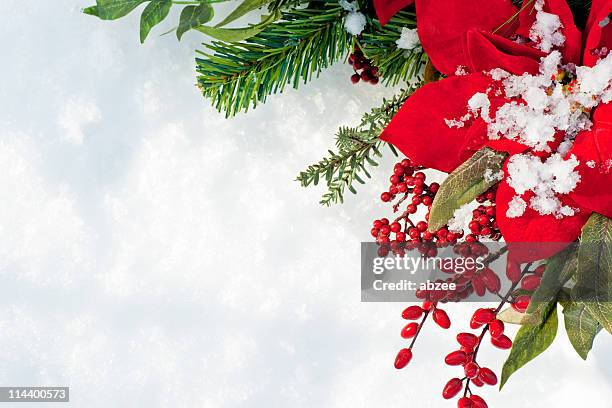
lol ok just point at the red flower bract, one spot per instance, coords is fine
(474, 36)
(385, 9)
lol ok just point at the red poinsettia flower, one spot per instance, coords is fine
(466, 38)
(385, 9)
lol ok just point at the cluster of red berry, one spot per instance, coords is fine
(412, 329)
(359, 63)
(483, 223)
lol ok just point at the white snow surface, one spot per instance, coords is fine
(154, 254)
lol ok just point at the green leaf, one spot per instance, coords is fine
(244, 7)
(594, 275)
(155, 12)
(463, 185)
(559, 269)
(581, 327)
(92, 11)
(530, 342)
(238, 34)
(114, 9)
(193, 16)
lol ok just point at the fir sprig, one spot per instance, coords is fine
(356, 149)
(237, 76)
(379, 45)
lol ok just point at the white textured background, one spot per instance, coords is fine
(153, 253)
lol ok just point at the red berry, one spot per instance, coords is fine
(483, 316)
(427, 305)
(441, 318)
(477, 382)
(355, 78)
(521, 303)
(416, 200)
(427, 200)
(434, 187)
(483, 220)
(491, 280)
(465, 402)
(400, 236)
(496, 328)
(385, 230)
(386, 197)
(395, 227)
(513, 271)
(467, 340)
(539, 271)
(478, 285)
(471, 370)
(530, 283)
(403, 358)
(502, 342)
(452, 388)
(374, 80)
(412, 312)
(411, 208)
(421, 226)
(410, 330)
(384, 221)
(377, 224)
(478, 401)
(487, 376)
(456, 358)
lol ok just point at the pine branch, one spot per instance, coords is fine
(356, 147)
(237, 76)
(379, 45)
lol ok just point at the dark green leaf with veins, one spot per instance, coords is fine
(155, 12)
(530, 342)
(193, 16)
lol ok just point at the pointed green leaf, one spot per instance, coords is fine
(463, 185)
(114, 9)
(580, 326)
(238, 34)
(244, 7)
(530, 342)
(559, 269)
(155, 12)
(92, 11)
(594, 275)
(193, 16)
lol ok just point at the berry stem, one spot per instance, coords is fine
(497, 310)
(427, 312)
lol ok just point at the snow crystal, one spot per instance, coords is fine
(490, 175)
(591, 164)
(516, 207)
(546, 30)
(480, 102)
(461, 70)
(546, 179)
(355, 23)
(409, 39)
(453, 123)
(462, 217)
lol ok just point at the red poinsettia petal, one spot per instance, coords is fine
(572, 48)
(596, 35)
(486, 51)
(419, 129)
(443, 24)
(385, 9)
(534, 236)
(594, 151)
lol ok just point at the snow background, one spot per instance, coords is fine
(153, 253)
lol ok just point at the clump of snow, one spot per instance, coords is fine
(590, 164)
(461, 70)
(546, 30)
(409, 40)
(490, 175)
(462, 217)
(516, 207)
(545, 179)
(355, 21)
(480, 103)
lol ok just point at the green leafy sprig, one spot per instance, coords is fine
(356, 149)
